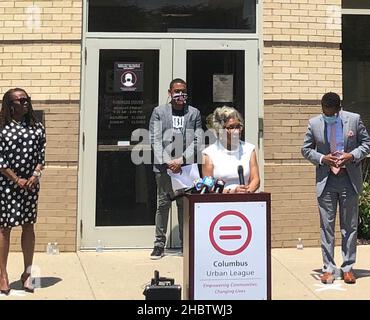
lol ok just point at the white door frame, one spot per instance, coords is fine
(134, 236)
(172, 64)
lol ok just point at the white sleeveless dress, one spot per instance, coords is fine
(226, 162)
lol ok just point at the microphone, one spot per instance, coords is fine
(196, 187)
(241, 175)
(219, 186)
(207, 184)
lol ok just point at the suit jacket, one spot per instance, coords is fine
(356, 142)
(161, 135)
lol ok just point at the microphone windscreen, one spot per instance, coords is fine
(208, 181)
(198, 184)
(207, 184)
(219, 185)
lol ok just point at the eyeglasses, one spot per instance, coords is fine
(22, 100)
(235, 127)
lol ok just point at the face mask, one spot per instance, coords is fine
(329, 120)
(179, 97)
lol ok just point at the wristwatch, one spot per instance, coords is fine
(37, 174)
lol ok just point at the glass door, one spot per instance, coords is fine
(219, 72)
(125, 80)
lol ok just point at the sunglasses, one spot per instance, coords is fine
(22, 100)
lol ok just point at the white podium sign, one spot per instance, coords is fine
(230, 251)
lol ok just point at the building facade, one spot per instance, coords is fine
(95, 70)
(40, 51)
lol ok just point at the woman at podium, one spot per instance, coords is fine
(229, 158)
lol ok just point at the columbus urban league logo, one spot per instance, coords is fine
(230, 232)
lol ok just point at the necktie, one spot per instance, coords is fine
(333, 145)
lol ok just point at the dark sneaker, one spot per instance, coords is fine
(157, 253)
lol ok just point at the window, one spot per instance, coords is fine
(356, 65)
(353, 4)
(172, 16)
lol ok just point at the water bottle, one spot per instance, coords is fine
(49, 248)
(300, 244)
(55, 248)
(99, 246)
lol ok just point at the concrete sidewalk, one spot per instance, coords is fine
(123, 275)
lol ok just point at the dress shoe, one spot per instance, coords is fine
(349, 277)
(327, 278)
(7, 290)
(27, 283)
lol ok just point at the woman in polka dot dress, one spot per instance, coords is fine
(22, 154)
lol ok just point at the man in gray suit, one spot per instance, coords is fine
(336, 142)
(175, 133)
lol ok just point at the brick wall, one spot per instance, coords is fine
(40, 20)
(40, 51)
(301, 73)
(289, 177)
(46, 71)
(302, 20)
(302, 61)
(40, 44)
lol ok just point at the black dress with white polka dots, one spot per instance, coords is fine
(22, 148)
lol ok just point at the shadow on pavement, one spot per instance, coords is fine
(44, 282)
(359, 273)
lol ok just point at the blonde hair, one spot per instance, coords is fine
(221, 116)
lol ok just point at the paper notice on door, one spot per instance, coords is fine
(185, 178)
(223, 87)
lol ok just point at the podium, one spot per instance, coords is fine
(227, 246)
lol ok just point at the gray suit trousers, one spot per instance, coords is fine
(164, 186)
(338, 190)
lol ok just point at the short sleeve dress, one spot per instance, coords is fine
(22, 148)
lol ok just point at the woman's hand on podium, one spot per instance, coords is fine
(242, 188)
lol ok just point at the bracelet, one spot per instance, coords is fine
(37, 174)
(16, 180)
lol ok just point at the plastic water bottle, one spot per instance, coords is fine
(49, 248)
(55, 248)
(99, 246)
(300, 244)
